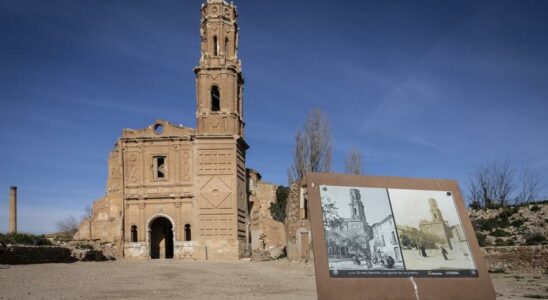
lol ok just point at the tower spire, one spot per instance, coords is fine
(218, 74)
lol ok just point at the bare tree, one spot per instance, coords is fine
(495, 184)
(67, 226)
(313, 146)
(354, 162)
(529, 186)
(491, 184)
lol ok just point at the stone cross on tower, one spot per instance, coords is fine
(219, 80)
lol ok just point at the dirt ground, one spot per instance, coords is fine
(175, 279)
(520, 286)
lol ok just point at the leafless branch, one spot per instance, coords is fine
(313, 146)
(354, 162)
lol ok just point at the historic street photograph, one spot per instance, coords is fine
(360, 231)
(432, 237)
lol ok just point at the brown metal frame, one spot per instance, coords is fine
(479, 287)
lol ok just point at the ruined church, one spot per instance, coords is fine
(179, 192)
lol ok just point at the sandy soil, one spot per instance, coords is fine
(520, 286)
(159, 279)
(175, 279)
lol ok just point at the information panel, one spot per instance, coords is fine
(393, 238)
(380, 232)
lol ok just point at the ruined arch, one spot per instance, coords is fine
(134, 235)
(161, 232)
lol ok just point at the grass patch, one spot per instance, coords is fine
(535, 239)
(500, 233)
(535, 208)
(517, 223)
(24, 239)
(482, 239)
(277, 209)
(535, 296)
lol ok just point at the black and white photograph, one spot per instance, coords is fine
(360, 231)
(430, 231)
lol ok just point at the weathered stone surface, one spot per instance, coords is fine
(13, 210)
(179, 192)
(525, 259)
(512, 226)
(267, 235)
(297, 224)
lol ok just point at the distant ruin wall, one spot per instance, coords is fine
(297, 224)
(267, 234)
(20, 255)
(23, 255)
(524, 259)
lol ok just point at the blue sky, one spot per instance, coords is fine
(423, 88)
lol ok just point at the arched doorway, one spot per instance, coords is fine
(161, 238)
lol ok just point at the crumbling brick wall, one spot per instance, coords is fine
(525, 259)
(267, 235)
(297, 224)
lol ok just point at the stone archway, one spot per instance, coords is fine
(161, 238)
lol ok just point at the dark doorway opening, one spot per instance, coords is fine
(161, 238)
(188, 236)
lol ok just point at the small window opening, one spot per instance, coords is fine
(159, 128)
(160, 167)
(238, 99)
(215, 99)
(305, 208)
(134, 234)
(188, 236)
(226, 47)
(215, 46)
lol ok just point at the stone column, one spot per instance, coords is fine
(13, 210)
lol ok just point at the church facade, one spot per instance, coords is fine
(437, 226)
(179, 192)
(352, 236)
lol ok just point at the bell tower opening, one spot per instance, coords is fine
(215, 46)
(215, 99)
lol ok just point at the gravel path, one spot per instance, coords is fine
(176, 279)
(159, 279)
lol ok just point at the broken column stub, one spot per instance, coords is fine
(13, 210)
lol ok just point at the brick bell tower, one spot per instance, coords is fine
(221, 191)
(219, 77)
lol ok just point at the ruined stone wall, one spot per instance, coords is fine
(20, 255)
(267, 235)
(200, 183)
(166, 178)
(106, 221)
(525, 259)
(297, 224)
